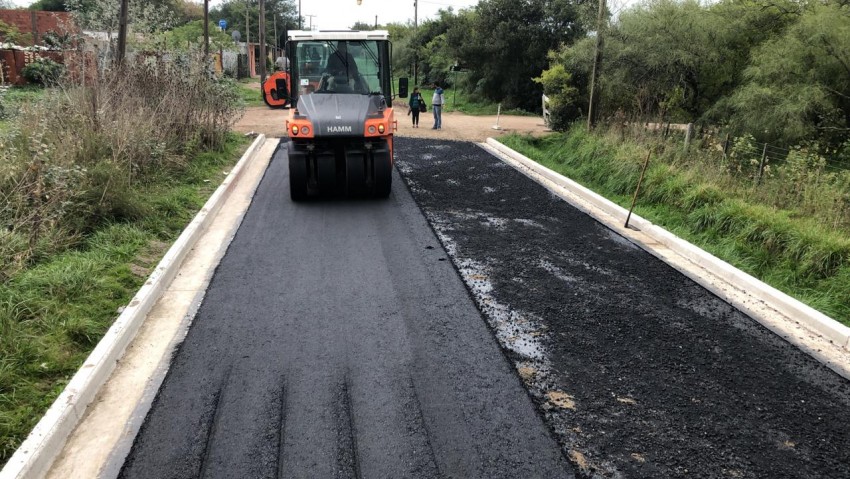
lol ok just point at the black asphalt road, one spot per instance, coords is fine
(640, 372)
(336, 340)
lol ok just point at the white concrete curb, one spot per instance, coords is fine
(811, 319)
(45, 442)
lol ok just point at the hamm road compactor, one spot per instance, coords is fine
(341, 121)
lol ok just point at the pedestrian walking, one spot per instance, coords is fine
(417, 104)
(437, 103)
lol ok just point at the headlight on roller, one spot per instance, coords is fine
(381, 128)
(305, 130)
(294, 129)
(371, 129)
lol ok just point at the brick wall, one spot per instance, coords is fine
(36, 23)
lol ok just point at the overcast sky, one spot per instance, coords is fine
(340, 14)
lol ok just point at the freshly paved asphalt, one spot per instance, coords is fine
(663, 379)
(337, 340)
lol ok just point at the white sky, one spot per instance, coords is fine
(341, 14)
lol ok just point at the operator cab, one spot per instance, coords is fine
(340, 62)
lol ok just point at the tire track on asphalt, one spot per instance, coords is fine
(356, 352)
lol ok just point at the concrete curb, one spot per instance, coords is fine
(809, 318)
(35, 456)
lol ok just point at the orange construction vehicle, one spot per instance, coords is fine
(276, 90)
(341, 122)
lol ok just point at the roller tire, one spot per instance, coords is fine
(355, 170)
(383, 176)
(297, 176)
(268, 104)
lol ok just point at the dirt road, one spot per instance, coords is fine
(456, 126)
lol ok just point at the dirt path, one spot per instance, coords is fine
(456, 126)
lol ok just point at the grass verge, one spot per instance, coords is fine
(12, 98)
(53, 313)
(804, 255)
(250, 96)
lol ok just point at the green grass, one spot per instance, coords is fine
(793, 252)
(53, 313)
(16, 97)
(459, 100)
(250, 96)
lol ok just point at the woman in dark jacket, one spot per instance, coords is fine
(416, 103)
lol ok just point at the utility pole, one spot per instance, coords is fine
(415, 53)
(247, 23)
(261, 25)
(122, 31)
(206, 29)
(300, 21)
(311, 20)
(376, 22)
(593, 107)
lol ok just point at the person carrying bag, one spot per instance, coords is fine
(417, 105)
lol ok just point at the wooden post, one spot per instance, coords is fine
(592, 112)
(637, 190)
(688, 136)
(761, 164)
(206, 29)
(261, 25)
(122, 31)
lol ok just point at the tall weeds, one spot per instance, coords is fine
(80, 157)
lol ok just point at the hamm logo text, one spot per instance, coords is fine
(339, 129)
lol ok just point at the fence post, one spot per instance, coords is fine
(761, 164)
(688, 135)
(637, 189)
(726, 146)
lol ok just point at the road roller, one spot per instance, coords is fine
(341, 120)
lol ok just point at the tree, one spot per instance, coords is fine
(362, 26)
(562, 96)
(675, 60)
(284, 12)
(798, 85)
(192, 33)
(510, 43)
(102, 15)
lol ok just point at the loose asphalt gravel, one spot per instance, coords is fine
(639, 371)
(337, 340)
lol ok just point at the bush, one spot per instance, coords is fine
(43, 71)
(83, 158)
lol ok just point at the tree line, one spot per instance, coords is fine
(778, 70)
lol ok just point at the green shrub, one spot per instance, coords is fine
(43, 71)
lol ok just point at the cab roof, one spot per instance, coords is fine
(306, 35)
